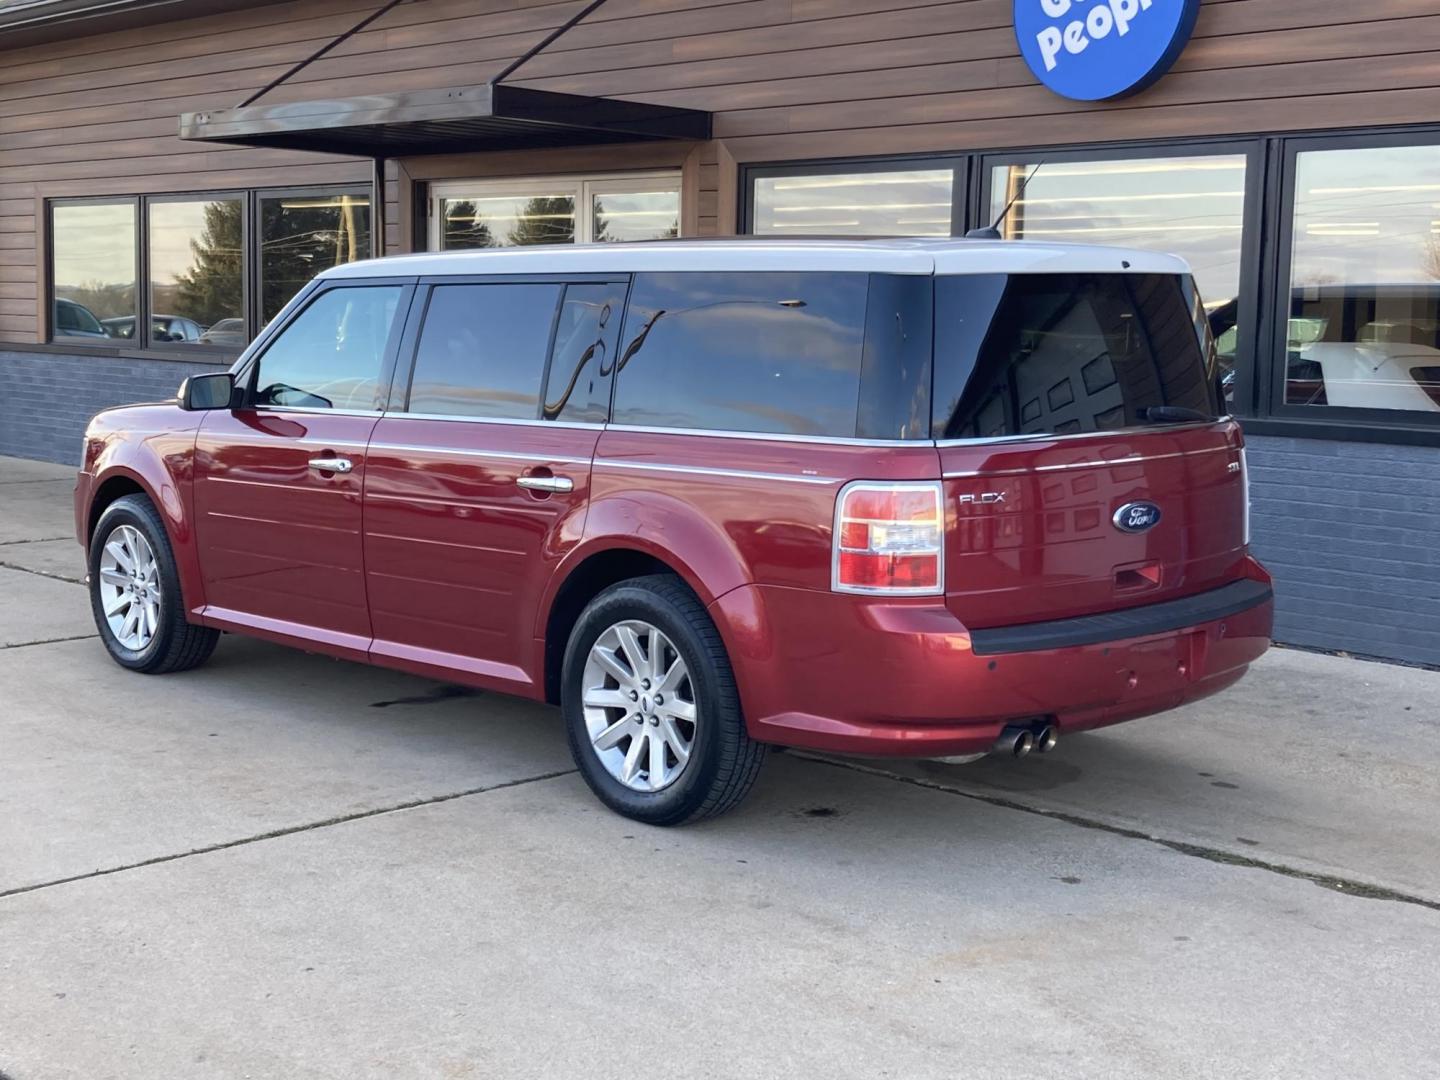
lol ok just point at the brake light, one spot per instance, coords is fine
(889, 538)
(1245, 489)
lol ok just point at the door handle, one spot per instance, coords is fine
(332, 464)
(546, 483)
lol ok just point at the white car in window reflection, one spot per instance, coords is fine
(1365, 346)
(163, 328)
(225, 332)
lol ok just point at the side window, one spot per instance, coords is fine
(766, 352)
(578, 388)
(482, 350)
(332, 355)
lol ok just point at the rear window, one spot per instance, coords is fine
(1067, 353)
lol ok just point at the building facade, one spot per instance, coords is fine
(171, 173)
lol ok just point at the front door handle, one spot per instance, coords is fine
(546, 483)
(332, 464)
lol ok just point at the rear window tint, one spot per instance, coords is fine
(1066, 353)
(767, 352)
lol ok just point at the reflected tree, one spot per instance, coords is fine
(213, 287)
(545, 220)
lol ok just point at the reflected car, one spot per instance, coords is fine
(163, 328)
(76, 320)
(225, 332)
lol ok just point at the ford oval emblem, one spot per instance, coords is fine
(1137, 517)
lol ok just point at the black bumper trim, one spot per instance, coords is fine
(1119, 625)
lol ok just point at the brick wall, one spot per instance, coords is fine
(1351, 532)
(46, 399)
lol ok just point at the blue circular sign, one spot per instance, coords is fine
(1091, 50)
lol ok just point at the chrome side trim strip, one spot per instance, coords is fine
(768, 436)
(738, 474)
(458, 451)
(396, 415)
(1103, 464)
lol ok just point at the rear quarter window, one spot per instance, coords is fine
(764, 352)
(1066, 353)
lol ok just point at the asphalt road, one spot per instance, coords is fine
(286, 866)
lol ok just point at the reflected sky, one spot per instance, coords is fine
(915, 203)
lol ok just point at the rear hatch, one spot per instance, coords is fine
(1085, 467)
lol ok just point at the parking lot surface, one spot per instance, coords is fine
(281, 865)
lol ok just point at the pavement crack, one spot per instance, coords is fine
(1344, 886)
(40, 573)
(288, 830)
(47, 641)
(34, 540)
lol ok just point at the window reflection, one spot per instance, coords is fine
(302, 235)
(639, 215)
(915, 203)
(1364, 328)
(93, 269)
(507, 221)
(196, 265)
(1191, 206)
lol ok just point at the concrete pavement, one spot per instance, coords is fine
(285, 866)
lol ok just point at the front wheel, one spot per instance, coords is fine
(651, 708)
(135, 593)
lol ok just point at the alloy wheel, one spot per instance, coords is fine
(130, 587)
(639, 705)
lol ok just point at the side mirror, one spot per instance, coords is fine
(200, 392)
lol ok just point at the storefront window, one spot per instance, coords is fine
(900, 203)
(93, 270)
(207, 263)
(1364, 286)
(555, 210)
(301, 235)
(635, 215)
(196, 268)
(490, 221)
(1192, 206)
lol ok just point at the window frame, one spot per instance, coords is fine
(251, 269)
(961, 166)
(398, 404)
(580, 186)
(1424, 426)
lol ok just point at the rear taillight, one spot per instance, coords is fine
(1245, 488)
(889, 538)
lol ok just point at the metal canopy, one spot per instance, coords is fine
(461, 120)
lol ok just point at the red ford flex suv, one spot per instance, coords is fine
(927, 498)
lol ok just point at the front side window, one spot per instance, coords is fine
(1363, 301)
(482, 350)
(763, 352)
(92, 271)
(910, 202)
(1191, 206)
(197, 265)
(332, 355)
(1031, 354)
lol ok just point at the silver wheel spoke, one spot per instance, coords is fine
(612, 735)
(673, 677)
(657, 759)
(127, 585)
(607, 659)
(630, 643)
(599, 698)
(678, 746)
(114, 577)
(631, 767)
(113, 604)
(117, 551)
(680, 710)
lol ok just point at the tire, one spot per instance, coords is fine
(174, 644)
(723, 761)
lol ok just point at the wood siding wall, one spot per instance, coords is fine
(786, 79)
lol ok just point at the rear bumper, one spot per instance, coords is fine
(827, 671)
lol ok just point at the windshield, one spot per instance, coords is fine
(1068, 353)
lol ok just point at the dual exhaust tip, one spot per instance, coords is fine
(1017, 740)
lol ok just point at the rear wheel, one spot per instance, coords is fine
(135, 593)
(651, 707)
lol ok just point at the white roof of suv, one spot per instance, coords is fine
(950, 256)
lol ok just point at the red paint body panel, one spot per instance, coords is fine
(1050, 549)
(281, 552)
(458, 555)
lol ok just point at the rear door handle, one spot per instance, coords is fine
(332, 464)
(546, 483)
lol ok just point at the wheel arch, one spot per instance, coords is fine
(117, 481)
